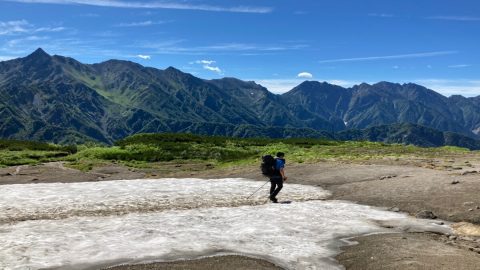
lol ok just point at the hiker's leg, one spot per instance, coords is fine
(272, 186)
(279, 187)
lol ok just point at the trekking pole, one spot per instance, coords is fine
(258, 189)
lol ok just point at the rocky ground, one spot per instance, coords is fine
(445, 188)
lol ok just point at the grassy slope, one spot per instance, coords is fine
(151, 150)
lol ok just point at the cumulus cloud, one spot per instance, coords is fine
(144, 57)
(205, 62)
(208, 65)
(305, 75)
(214, 69)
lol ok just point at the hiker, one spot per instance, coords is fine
(278, 177)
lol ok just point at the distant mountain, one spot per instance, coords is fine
(406, 133)
(385, 103)
(58, 99)
(55, 98)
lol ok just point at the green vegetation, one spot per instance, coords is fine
(15, 152)
(147, 150)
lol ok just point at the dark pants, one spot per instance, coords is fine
(276, 185)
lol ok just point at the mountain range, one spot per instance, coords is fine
(58, 99)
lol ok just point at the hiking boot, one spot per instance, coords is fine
(274, 200)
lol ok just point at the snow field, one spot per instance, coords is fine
(302, 235)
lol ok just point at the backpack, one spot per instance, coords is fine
(268, 165)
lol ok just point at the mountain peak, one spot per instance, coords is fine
(38, 56)
(39, 53)
(173, 70)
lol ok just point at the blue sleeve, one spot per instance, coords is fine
(280, 164)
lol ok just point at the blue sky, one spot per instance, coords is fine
(277, 43)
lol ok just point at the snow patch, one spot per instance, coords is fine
(300, 235)
(62, 200)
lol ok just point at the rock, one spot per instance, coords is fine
(387, 177)
(452, 237)
(470, 210)
(468, 203)
(395, 209)
(468, 172)
(426, 214)
(454, 182)
(467, 238)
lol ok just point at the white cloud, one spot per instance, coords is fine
(90, 15)
(454, 18)
(26, 40)
(395, 67)
(387, 57)
(139, 24)
(6, 58)
(151, 5)
(177, 47)
(49, 29)
(214, 69)
(305, 75)
(14, 27)
(208, 65)
(381, 15)
(205, 62)
(24, 27)
(144, 57)
(464, 87)
(459, 66)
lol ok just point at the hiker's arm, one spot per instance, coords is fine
(282, 173)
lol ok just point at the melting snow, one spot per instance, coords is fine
(80, 225)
